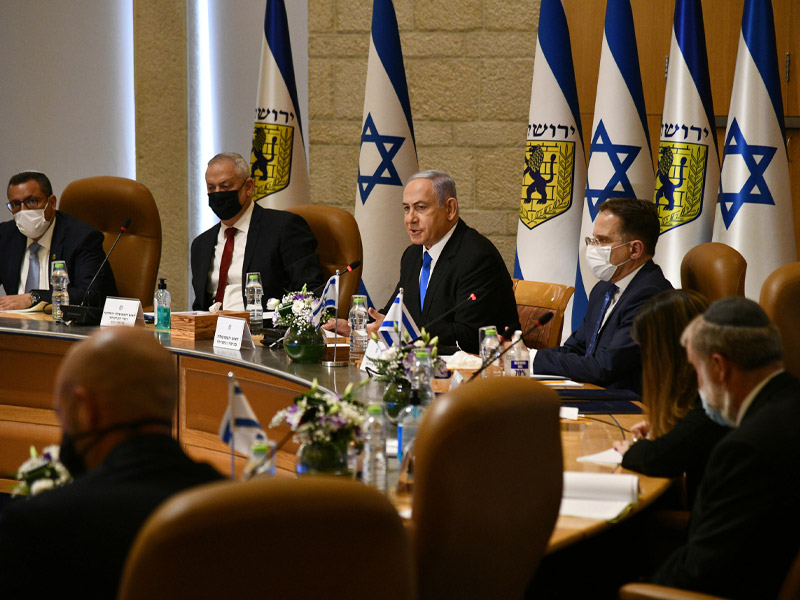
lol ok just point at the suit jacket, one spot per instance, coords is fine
(615, 361)
(744, 530)
(72, 541)
(468, 263)
(77, 243)
(280, 246)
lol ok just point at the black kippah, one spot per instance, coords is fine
(736, 311)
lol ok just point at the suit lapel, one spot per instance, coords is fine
(443, 267)
(15, 253)
(411, 291)
(57, 241)
(253, 233)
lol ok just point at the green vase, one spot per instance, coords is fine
(395, 398)
(322, 458)
(305, 345)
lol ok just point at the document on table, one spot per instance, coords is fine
(601, 496)
(606, 457)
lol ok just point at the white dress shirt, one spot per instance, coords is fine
(46, 241)
(233, 290)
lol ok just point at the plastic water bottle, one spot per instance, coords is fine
(358, 328)
(259, 462)
(373, 467)
(408, 423)
(490, 346)
(162, 304)
(253, 293)
(59, 280)
(421, 376)
(518, 358)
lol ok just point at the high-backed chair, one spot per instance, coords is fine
(715, 270)
(487, 488)
(780, 299)
(338, 245)
(105, 203)
(306, 538)
(534, 298)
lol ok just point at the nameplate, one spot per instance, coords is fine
(232, 333)
(122, 311)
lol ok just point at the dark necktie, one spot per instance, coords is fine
(424, 276)
(32, 282)
(606, 302)
(225, 264)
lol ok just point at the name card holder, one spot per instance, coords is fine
(232, 333)
(122, 311)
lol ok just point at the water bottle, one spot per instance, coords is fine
(373, 467)
(518, 358)
(358, 328)
(408, 423)
(260, 462)
(490, 346)
(59, 280)
(162, 304)
(253, 293)
(421, 376)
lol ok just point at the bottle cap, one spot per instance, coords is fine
(358, 301)
(421, 353)
(253, 276)
(259, 447)
(490, 332)
(162, 283)
(374, 409)
(59, 264)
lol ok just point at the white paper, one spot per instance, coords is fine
(122, 311)
(542, 376)
(569, 413)
(606, 457)
(462, 360)
(232, 333)
(560, 384)
(598, 495)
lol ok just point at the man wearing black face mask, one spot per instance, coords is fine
(249, 238)
(115, 396)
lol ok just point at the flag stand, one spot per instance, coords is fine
(335, 363)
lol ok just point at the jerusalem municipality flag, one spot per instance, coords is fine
(755, 200)
(329, 299)
(687, 175)
(397, 324)
(278, 157)
(240, 428)
(388, 158)
(620, 162)
(554, 173)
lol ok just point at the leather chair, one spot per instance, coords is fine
(780, 298)
(534, 298)
(487, 488)
(338, 245)
(105, 202)
(307, 538)
(715, 270)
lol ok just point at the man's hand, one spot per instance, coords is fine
(373, 327)
(341, 326)
(15, 302)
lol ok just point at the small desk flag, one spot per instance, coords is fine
(397, 323)
(240, 428)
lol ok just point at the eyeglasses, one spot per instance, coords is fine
(30, 202)
(591, 241)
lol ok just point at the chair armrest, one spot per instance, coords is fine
(649, 591)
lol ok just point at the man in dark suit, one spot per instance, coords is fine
(115, 396)
(249, 238)
(40, 234)
(620, 254)
(744, 530)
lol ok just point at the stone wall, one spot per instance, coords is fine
(469, 65)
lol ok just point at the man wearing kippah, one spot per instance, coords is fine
(744, 530)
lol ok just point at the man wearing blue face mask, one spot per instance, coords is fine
(248, 238)
(619, 253)
(744, 532)
(40, 234)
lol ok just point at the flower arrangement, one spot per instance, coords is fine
(40, 473)
(395, 363)
(294, 309)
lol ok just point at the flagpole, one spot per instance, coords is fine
(334, 362)
(233, 423)
(400, 322)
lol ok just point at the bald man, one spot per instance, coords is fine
(115, 396)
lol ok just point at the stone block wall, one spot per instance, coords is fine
(469, 65)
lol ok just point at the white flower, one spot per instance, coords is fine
(273, 303)
(298, 306)
(41, 485)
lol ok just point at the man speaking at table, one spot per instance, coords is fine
(620, 254)
(446, 262)
(248, 238)
(39, 234)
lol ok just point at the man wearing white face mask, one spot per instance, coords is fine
(40, 234)
(620, 251)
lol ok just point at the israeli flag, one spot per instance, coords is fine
(754, 208)
(329, 299)
(388, 158)
(620, 161)
(554, 172)
(278, 155)
(687, 172)
(240, 428)
(397, 323)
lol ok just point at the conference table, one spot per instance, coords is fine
(32, 346)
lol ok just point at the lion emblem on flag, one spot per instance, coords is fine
(271, 158)
(547, 181)
(680, 183)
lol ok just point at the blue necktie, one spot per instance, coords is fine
(606, 301)
(32, 283)
(424, 276)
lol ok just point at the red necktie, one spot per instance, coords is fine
(225, 263)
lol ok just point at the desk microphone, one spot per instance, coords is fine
(543, 320)
(473, 297)
(91, 315)
(351, 267)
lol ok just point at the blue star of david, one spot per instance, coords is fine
(386, 173)
(731, 202)
(601, 143)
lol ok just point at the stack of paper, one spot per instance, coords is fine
(598, 495)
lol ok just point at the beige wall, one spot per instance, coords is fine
(469, 65)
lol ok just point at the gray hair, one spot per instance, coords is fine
(748, 347)
(443, 185)
(240, 164)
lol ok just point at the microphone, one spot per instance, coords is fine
(91, 315)
(351, 267)
(473, 297)
(543, 320)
